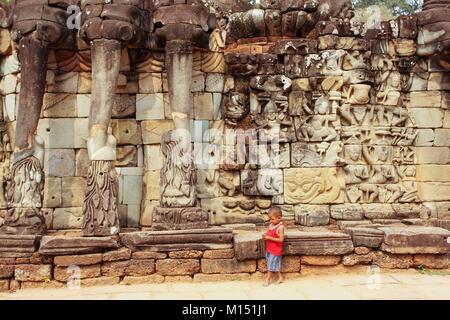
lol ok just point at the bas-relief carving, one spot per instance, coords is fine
(178, 175)
(313, 185)
(216, 183)
(240, 209)
(264, 182)
(5, 162)
(236, 107)
(322, 124)
(324, 154)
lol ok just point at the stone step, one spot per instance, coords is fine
(415, 239)
(63, 245)
(18, 246)
(365, 236)
(177, 238)
(317, 243)
(249, 245)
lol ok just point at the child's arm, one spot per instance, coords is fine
(280, 234)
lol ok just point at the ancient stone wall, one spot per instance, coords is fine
(361, 117)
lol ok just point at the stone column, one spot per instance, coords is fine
(178, 175)
(100, 204)
(26, 185)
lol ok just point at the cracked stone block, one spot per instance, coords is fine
(73, 191)
(67, 218)
(150, 82)
(149, 106)
(52, 192)
(63, 133)
(59, 105)
(59, 162)
(126, 131)
(152, 130)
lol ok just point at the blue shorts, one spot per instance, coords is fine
(273, 262)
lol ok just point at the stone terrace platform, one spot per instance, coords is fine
(217, 253)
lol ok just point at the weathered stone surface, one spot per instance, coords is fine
(100, 281)
(367, 237)
(378, 211)
(392, 261)
(152, 130)
(33, 272)
(67, 218)
(149, 106)
(218, 254)
(81, 163)
(415, 239)
(178, 267)
(63, 133)
(248, 245)
(362, 250)
(42, 285)
(356, 259)
(73, 189)
(178, 279)
(65, 273)
(288, 264)
(150, 82)
(12, 246)
(348, 211)
(203, 106)
(60, 163)
(420, 99)
(126, 131)
(432, 261)
(227, 266)
(186, 254)
(4, 285)
(148, 255)
(426, 117)
(179, 218)
(321, 260)
(154, 278)
(60, 105)
(117, 255)
(65, 245)
(80, 260)
(148, 238)
(201, 277)
(6, 271)
(435, 173)
(312, 215)
(295, 178)
(442, 137)
(52, 193)
(316, 243)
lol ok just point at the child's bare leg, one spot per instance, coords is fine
(280, 277)
(268, 278)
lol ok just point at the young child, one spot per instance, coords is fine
(274, 241)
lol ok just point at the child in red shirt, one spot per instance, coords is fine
(274, 241)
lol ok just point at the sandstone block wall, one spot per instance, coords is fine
(363, 123)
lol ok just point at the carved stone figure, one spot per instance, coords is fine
(313, 185)
(178, 175)
(236, 107)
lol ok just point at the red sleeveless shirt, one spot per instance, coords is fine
(273, 247)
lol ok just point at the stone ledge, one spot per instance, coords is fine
(415, 239)
(60, 245)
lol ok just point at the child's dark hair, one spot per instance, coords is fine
(276, 211)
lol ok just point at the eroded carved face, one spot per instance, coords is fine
(236, 107)
(382, 153)
(353, 152)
